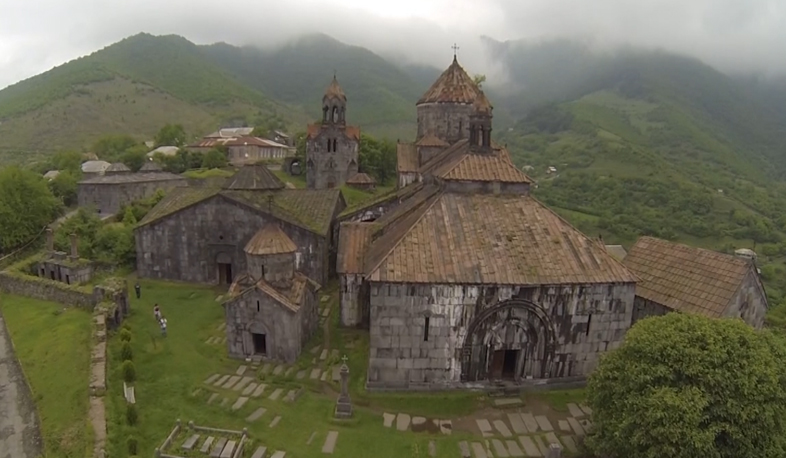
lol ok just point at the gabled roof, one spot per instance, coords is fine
(139, 177)
(334, 90)
(617, 251)
(431, 140)
(253, 177)
(352, 243)
(406, 158)
(151, 166)
(685, 278)
(176, 200)
(481, 167)
(361, 178)
(454, 85)
(270, 240)
(353, 132)
(488, 239)
(291, 298)
(117, 167)
(231, 132)
(214, 142)
(95, 166)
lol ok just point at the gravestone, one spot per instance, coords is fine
(275, 421)
(190, 442)
(219, 447)
(344, 404)
(261, 452)
(330, 442)
(555, 451)
(257, 413)
(207, 444)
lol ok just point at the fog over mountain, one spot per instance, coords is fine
(735, 36)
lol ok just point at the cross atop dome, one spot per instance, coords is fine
(455, 48)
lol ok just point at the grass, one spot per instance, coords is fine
(298, 180)
(53, 345)
(207, 173)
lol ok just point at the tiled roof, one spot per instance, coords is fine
(361, 178)
(487, 239)
(353, 132)
(270, 240)
(95, 166)
(482, 104)
(431, 140)
(352, 243)
(481, 167)
(334, 90)
(213, 142)
(458, 148)
(150, 166)
(454, 85)
(617, 251)
(310, 209)
(231, 132)
(684, 278)
(291, 298)
(176, 200)
(406, 157)
(139, 177)
(253, 177)
(117, 167)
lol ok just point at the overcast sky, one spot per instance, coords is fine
(749, 35)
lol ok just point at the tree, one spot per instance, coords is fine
(134, 157)
(64, 186)
(26, 206)
(479, 80)
(111, 147)
(377, 158)
(171, 135)
(67, 161)
(214, 159)
(685, 386)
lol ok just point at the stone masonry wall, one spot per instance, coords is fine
(447, 121)
(186, 245)
(586, 320)
(107, 198)
(349, 292)
(750, 302)
(643, 308)
(319, 173)
(45, 289)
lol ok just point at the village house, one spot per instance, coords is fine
(199, 234)
(118, 186)
(675, 277)
(462, 277)
(272, 310)
(246, 149)
(94, 168)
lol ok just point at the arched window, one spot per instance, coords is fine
(310, 164)
(334, 117)
(324, 113)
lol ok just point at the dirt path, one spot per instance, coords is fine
(19, 435)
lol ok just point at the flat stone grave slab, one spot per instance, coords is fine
(190, 442)
(326, 311)
(323, 355)
(446, 427)
(530, 449)
(221, 326)
(586, 409)
(278, 454)
(485, 427)
(221, 380)
(224, 401)
(289, 371)
(315, 350)
(464, 449)
(402, 422)
(564, 425)
(330, 442)
(575, 411)
(228, 449)
(336, 376)
(324, 376)
(479, 450)
(242, 383)
(260, 452)
(500, 451)
(218, 448)
(311, 438)
(275, 421)
(241, 401)
(256, 414)
(315, 373)
(417, 421)
(500, 426)
(551, 438)
(278, 370)
(206, 445)
(507, 402)
(387, 419)
(542, 446)
(301, 375)
(577, 428)
(432, 448)
(231, 382)
(290, 396)
(513, 449)
(530, 422)
(544, 423)
(276, 394)
(249, 389)
(259, 390)
(570, 444)
(212, 379)
(516, 423)
(212, 398)
(266, 368)
(241, 370)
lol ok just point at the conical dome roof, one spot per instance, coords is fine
(270, 240)
(334, 90)
(482, 104)
(454, 85)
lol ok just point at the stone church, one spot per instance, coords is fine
(462, 277)
(332, 146)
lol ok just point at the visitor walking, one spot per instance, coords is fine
(138, 290)
(157, 312)
(163, 326)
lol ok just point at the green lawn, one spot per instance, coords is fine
(53, 345)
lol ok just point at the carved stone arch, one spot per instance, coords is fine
(540, 328)
(325, 109)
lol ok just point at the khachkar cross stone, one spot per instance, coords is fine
(344, 404)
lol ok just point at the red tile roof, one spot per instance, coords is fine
(361, 178)
(353, 132)
(270, 240)
(334, 90)
(454, 85)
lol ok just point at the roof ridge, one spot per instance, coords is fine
(731, 257)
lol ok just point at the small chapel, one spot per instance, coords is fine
(462, 277)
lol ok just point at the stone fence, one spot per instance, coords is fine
(42, 288)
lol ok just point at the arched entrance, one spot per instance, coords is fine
(224, 266)
(513, 340)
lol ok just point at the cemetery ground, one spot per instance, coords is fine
(288, 408)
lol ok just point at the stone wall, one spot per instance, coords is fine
(107, 198)
(353, 312)
(643, 308)
(447, 121)
(324, 168)
(407, 178)
(186, 246)
(45, 289)
(449, 335)
(750, 302)
(98, 384)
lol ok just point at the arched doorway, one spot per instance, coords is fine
(513, 340)
(224, 266)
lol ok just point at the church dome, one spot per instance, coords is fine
(454, 85)
(270, 240)
(335, 91)
(482, 104)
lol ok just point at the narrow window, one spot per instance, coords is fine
(328, 145)
(335, 148)
(257, 306)
(425, 330)
(589, 321)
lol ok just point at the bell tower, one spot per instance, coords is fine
(334, 105)
(480, 125)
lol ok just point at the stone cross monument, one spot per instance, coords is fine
(344, 404)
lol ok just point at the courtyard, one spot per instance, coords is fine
(187, 376)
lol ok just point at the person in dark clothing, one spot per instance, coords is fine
(138, 290)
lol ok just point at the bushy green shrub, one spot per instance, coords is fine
(126, 353)
(129, 372)
(131, 442)
(125, 335)
(131, 414)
